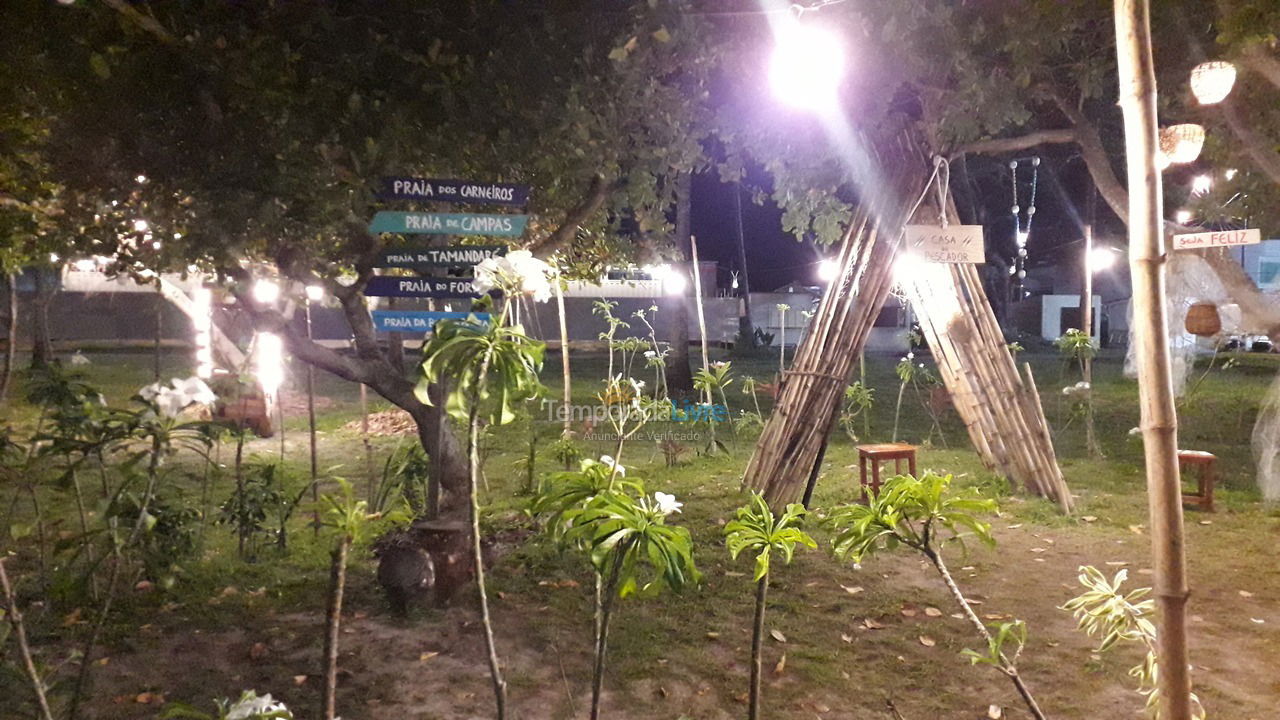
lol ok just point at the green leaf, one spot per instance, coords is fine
(98, 63)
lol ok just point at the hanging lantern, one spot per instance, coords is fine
(1182, 143)
(1203, 320)
(1211, 82)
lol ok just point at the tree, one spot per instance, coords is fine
(258, 151)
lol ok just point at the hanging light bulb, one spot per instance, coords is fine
(1201, 184)
(1182, 143)
(1023, 235)
(1182, 216)
(1212, 81)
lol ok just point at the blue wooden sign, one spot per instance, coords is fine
(417, 321)
(387, 221)
(454, 256)
(448, 287)
(456, 191)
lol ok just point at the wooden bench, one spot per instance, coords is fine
(1206, 465)
(881, 453)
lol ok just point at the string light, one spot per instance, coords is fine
(1201, 184)
(1212, 81)
(1182, 217)
(141, 225)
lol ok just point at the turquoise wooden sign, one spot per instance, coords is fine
(418, 321)
(426, 223)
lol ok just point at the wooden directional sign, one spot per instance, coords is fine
(417, 321)
(458, 191)
(447, 223)
(951, 244)
(1222, 238)
(387, 286)
(454, 256)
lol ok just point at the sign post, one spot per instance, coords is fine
(951, 244)
(430, 223)
(457, 191)
(418, 321)
(1217, 239)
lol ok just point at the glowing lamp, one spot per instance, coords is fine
(673, 281)
(1182, 143)
(806, 66)
(1201, 184)
(1230, 174)
(828, 270)
(268, 360)
(315, 293)
(141, 225)
(266, 291)
(1101, 259)
(1182, 216)
(1212, 81)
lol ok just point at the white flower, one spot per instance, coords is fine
(650, 354)
(666, 503)
(1082, 386)
(488, 274)
(79, 359)
(1135, 431)
(251, 706)
(170, 402)
(149, 392)
(608, 460)
(911, 356)
(195, 390)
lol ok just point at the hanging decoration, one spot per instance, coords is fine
(1212, 81)
(1203, 319)
(1022, 232)
(1182, 143)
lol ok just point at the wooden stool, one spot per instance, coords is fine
(883, 452)
(1207, 464)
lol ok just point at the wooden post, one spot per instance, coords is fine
(697, 296)
(1086, 323)
(311, 429)
(1155, 378)
(564, 358)
(746, 326)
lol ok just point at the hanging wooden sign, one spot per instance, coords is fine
(951, 244)
(456, 191)
(388, 286)
(1220, 238)
(387, 221)
(454, 256)
(416, 321)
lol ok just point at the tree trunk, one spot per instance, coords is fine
(337, 583)
(24, 650)
(1155, 379)
(449, 477)
(41, 343)
(10, 335)
(757, 648)
(679, 376)
(473, 476)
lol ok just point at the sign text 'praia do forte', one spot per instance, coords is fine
(388, 286)
(456, 191)
(387, 221)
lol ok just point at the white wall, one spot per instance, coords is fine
(1051, 315)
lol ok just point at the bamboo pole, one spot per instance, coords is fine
(1155, 379)
(564, 359)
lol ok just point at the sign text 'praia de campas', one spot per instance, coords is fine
(455, 191)
(387, 221)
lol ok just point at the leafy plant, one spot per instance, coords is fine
(915, 512)
(263, 495)
(757, 529)
(633, 549)
(405, 476)
(566, 451)
(711, 381)
(1104, 611)
(250, 706)
(1076, 345)
(858, 400)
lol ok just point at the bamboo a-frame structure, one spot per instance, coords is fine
(999, 406)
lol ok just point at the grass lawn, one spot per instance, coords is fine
(856, 638)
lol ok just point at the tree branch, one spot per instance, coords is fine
(996, 146)
(597, 192)
(1097, 160)
(1258, 148)
(145, 21)
(1257, 59)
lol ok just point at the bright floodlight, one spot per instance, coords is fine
(266, 291)
(269, 362)
(1201, 184)
(141, 225)
(1101, 259)
(807, 65)
(828, 270)
(673, 281)
(907, 266)
(315, 293)
(1182, 216)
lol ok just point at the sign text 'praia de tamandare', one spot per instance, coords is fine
(387, 221)
(452, 256)
(456, 191)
